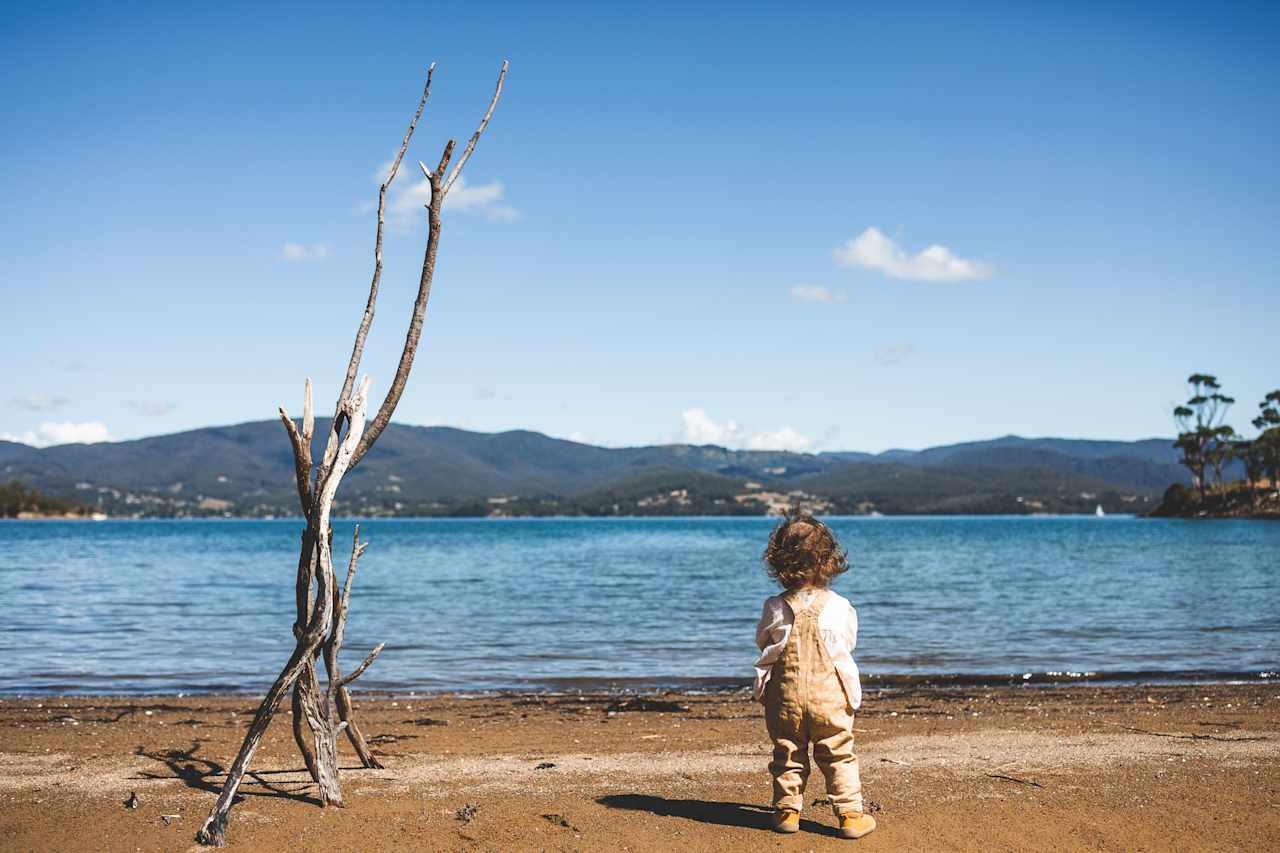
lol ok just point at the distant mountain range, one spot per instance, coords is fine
(247, 470)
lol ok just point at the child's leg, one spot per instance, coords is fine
(832, 732)
(835, 756)
(790, 764)
(789, 768)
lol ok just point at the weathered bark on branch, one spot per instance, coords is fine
(305, 689)
(214, 830)
(475, 137)
(439, 189)
(341, 696)
(362, 332)
(320, 622)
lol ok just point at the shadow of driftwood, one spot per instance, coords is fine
(705, 811)
(206, 775)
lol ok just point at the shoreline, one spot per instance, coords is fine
(711, 686)
(647, 517)
(1154, 514)
(1078, 767)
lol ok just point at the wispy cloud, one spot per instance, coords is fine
(487, 199)
(873, 250)
(40, 402)
(815, 294)
(50, 433)
(701, 428)
(893, 354)
(410, 195)
(297, 253)
(152, 408)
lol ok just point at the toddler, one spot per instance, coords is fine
(806, 676)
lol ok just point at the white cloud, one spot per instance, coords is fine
(153, 408)
(488, 199)
(40, 402)
(65, 432)
(701, 428)
(874, 251)
(815, 293)
(408, 199)
(296, 253)
(781, 439)
(894, 354)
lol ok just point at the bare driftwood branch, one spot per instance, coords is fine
(306, 690)
(475, 137)
(320, 622)
(357, 350)
(341, 603)
(439, 189)
(213, 831)
(319, 714)
(337, 691)
(301, 442)
(359, 671)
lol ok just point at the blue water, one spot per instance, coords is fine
(167, 606)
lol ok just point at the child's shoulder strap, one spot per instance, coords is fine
(817, 602)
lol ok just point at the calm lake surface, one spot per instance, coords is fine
(168, 606)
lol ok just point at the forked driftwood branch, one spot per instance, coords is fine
(319, 717)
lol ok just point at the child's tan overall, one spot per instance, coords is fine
(805, 703)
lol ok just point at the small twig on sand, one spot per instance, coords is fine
(899, 763)
(1191, 736)
(1015, 779)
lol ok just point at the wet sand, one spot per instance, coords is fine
(1070, 768)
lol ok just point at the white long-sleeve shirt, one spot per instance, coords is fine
(838, 623)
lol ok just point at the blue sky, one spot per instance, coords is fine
(707, 222)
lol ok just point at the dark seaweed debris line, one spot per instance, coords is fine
(1189, 736)
(1015, 779)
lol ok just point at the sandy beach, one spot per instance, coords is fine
(1068, 768)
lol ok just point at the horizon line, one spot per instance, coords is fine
(885, 452)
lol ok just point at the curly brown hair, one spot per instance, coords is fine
(803, 551)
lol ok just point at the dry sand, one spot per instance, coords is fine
(1069, 768)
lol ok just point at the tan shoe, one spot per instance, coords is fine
(856, 824)
(785, 820)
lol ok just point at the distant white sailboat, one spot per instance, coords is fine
(1098, 512)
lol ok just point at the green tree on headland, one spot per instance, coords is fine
(1252, 457)
(1208, 446)
(1205, 441)
(16, 498)
(1266, 447)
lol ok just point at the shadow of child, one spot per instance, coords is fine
(705, 811)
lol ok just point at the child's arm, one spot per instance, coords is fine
(852, 628)
(764, 628)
